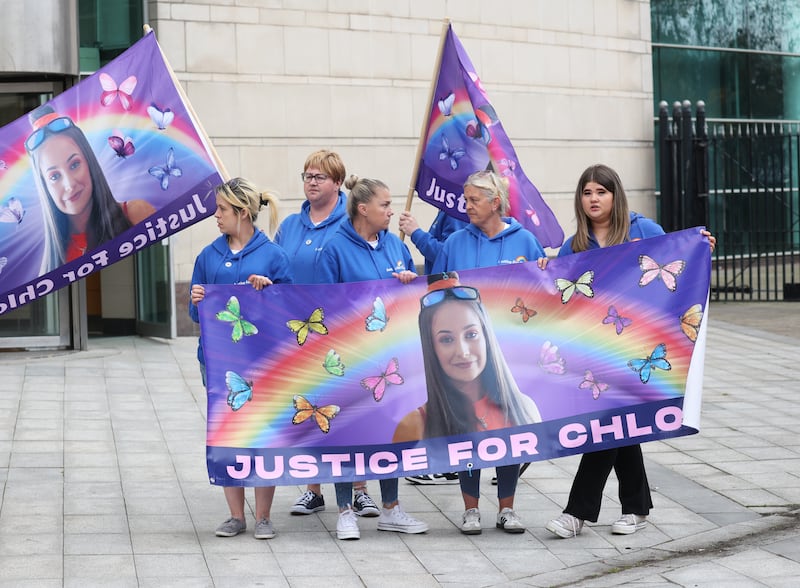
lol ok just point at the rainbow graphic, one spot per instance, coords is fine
(295, 403)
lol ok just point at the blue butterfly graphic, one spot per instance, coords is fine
(162, 173)
(378, 319)
(453, 155)
(239, 390)
(657, 359)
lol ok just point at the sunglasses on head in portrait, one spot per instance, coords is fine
(56, 125)
(455, 293)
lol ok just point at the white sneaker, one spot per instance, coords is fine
(565, 526)
(471, 522)
(347, 525)
(396, 519)
(508, 520)
(629, 523)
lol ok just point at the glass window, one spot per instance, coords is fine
(107, 28)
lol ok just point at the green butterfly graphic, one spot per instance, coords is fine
(333, 364)
(232, 314)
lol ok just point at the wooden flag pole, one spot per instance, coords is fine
(426, 119)
(221, 166)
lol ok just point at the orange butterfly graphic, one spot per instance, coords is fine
(527, 313)
(691, 320)
(322, 414)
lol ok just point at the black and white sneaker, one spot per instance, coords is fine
(308, 503)
(364, 506)
(431, 479)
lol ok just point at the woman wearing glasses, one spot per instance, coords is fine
(78, 209)
(490, 239)
(242, 254)
(364, 249)
(470, 388)
(303, 235)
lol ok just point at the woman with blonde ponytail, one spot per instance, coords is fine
(243, 254)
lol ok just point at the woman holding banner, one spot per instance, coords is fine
(241, 255)
(470, 388)
(303, 235)
(490, 239)
(78, 209)
(364, 249)
(604, 220)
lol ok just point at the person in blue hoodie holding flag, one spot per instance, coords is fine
(242, 254)
(490, 238)
(364, 249)
(430, 242)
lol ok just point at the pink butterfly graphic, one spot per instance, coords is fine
(377, 384)
(506, 167)
(111, 91)
(590, 383)
(534, 216)
(550, 359)
(667, 273)
(620, 322)
(12, 212)
(122, 147)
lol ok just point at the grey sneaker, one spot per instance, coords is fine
(264, 529)
(364, 506)
(508, 520)
(231, 528)
(471, 522)
(565, 526)
(308, 503)
(628, 523)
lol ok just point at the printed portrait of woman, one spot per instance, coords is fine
(79, 212)
(470, 387)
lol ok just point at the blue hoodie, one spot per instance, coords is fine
(430, 243)
(641, 228)
(348, 257)
(470, 248)
(217, 265)
(303, 240)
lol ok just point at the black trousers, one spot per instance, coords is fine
(587, 488)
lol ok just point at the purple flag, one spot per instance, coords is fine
(465, 135)
(112, 165)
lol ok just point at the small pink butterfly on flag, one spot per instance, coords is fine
(377, 384)
(667, 273)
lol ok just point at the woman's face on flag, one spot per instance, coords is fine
(66, 174)
(458, 341)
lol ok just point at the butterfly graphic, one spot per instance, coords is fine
(453, 155)
(590, 383)
(161, 118)
(691, 320)
(232, 314)
(446, 104)
(377, 384)
(583, 285)
(12, 212)
(314, 323)
(322, 414)
(478, 131)
(667, 273)
(550, 359)
(333, 363)
(657, 359)
(239, 390)
(378, 319)
(619, 321)
(111, 91)
(506, 167)
(3, 164)
(527, 313)
(3, 262)
(533, 216)
(122, 147)
(163, 173)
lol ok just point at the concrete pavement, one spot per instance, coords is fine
(103, 483)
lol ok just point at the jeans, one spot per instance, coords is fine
(507, 477)
(344, 492)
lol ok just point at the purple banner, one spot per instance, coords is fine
(325, 382)
(112, 165)
(465, 135)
